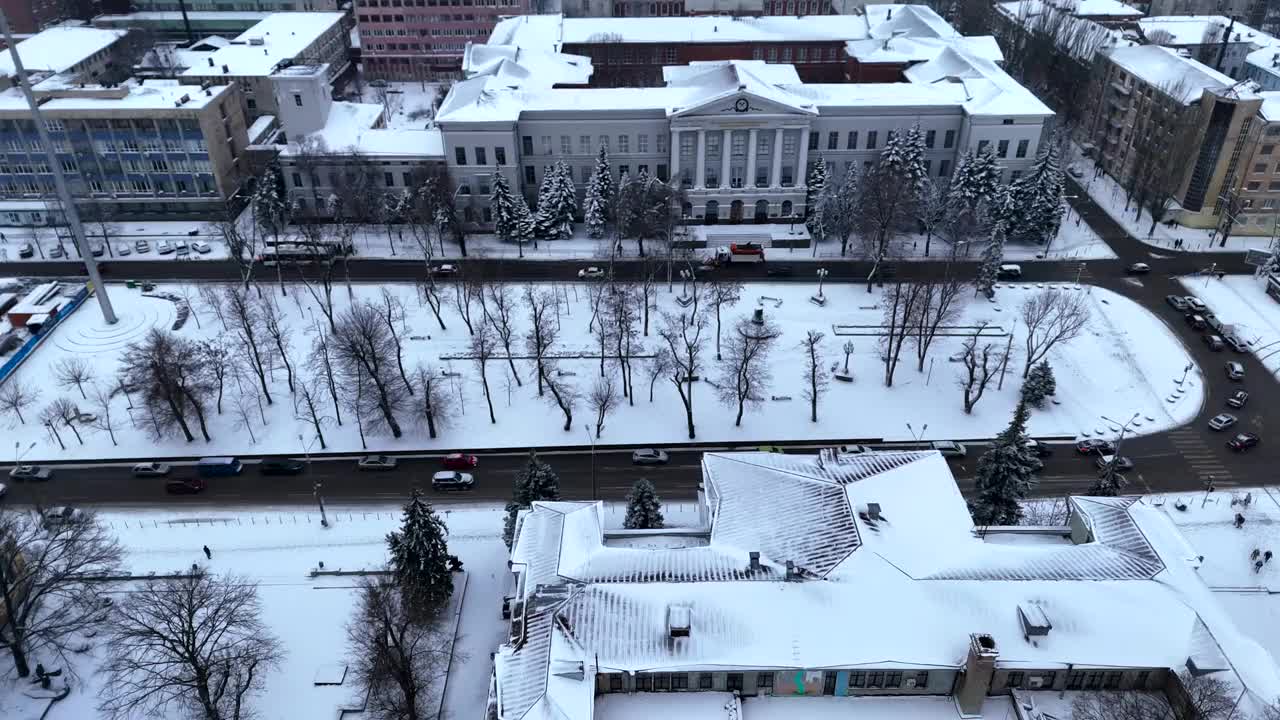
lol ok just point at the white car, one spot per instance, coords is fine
(591, 273)
(4, 490)
(444, 269)
(123, 249)
(949, 448)
(376, 462)
(649, 456)
(1222, 421)
(181, 249)
(30, 472)
(151, 469)
(63, 515)
(201, 247)
(452, 480)
(164, 247)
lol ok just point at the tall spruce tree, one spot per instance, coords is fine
(536, 481)
(1035, 200)
(1039, 385)
(815, 200)
(507, 215)
(644, 509)
(976, 178)
(603, 176)
(545, 214)
(904, 153)
(989, 263)
(420, 557)
(594, 212)
(567, 200)
(1006, 473)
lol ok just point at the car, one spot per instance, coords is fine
(460, 461)
(452, 480)
(164, 247)
(1009, 272)
(1039, 448)
(1119, 462)
(181, 249)
(444, 269)
(57, 251)
(142, 246)
(4, 490)
(1236, 344)
(779, 271)
(854, 449)
(1196, 321)
(591, 273)
(1095, 446)
(770, 449)
(1238, 399)
(34, 473)
(281, 466)
(1193, 303)
(184, 486)
(26, 250)
(1243, 441)
(1177, 302)
(1215, 342)
(98, 250)
(949, 448)
(218, 466)
(1138, 268)
(1235, 371)
(201, 247)
(63, 515)
(150, 469)
(123, 250)
(376, 462)
(1075, 172)
(1222, 421)
(649, 456)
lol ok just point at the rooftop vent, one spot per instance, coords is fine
(225, 69)
(873, 511)
(755, 561)
(210, 61)
(1034, 621)
(256, 41)
(679, 620)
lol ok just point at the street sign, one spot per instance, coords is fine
(1256, 258)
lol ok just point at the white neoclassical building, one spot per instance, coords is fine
(737, 135)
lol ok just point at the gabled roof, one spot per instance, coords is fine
(988, 89)
(885, 21)
(734, 78)
(1169, 72)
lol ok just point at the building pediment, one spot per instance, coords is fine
(744, 104)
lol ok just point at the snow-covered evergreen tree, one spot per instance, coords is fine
(976, 178)
(420, 557)
(268, 206)
(544, 214)
(814, 200)
(1108, 484)
(1039, 385)
(506, 213)
(904, 153)
(603, 177)
(1035, 199)
(840, 208)
(536, 481)
(594, 211)
(567, 192)
(644, 509)
(989, 264)
(1005, 474)
(557, 203)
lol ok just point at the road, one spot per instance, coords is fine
(1183, 459)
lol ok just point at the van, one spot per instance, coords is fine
(218, 467)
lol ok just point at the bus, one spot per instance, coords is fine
(291, 253)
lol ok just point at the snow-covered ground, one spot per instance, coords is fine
(124, 234)
(407, 104)
(1125, 362)
(1242, 301)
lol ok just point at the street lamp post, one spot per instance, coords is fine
(591, 439)
(918, 437)
(316, 486)
(822, 275)
(19, 453)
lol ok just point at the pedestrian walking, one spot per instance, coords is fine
(209, 553)
(1254, 555)
(1266, 556)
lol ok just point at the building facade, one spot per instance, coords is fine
(29, 16)
(1259, 187)
(1263, 67)
(267, 6)
(677, 8)
(424, 39)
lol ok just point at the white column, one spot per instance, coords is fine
(802, 175)
(775, 175)
(750, 180)
(724, 159)
(675, 156)
(700, 181)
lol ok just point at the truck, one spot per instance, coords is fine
(746, 253)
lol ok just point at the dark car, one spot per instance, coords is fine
(1237, 344)
(184, 486)
(1238, 399)
(1138, 268)
(1177, 302)
(460, 461)
(281, 466)
(1039, 448)
(1094, 446)
(1215, 342)
(779, 271)
(1196, 321)
(26, 251)
(1120, 463)
(1243, 441)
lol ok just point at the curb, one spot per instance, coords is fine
(461, 594)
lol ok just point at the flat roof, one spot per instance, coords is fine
(1166, 70)
(283, 37)
(552, 32)
(1192, 30)
(59, 48)
(141, 95)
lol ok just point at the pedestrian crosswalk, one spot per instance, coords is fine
(1202, 460)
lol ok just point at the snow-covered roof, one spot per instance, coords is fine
(277, 38)
(1178, 30)
(988, 89)
(1270, 110)
(552, 32)
(1079, 8)
(1166, 70)
(1265, 59)
(1080, 36)
(901, 49)
(883, 536)
(133, 95)
(514, 65)
(885, 21)
(59, 48)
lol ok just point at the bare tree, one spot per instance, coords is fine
(499, 310)
(102, 398)
(648, 286)
(1052, 317)
(392, 312)
(542, 332)
(245, 320)
(242, 245)
(659, 365)
(901, 307)
(73, 372)
(564, 394)
(16, 396)
(192, 645)
(886, 197)
(603, 398)
(936, 307)
(364, 350)
(815, 373)
(483, 345)
(433, 405)
(718, 293)
(466, 292)
(320, 283)
(217, 361)
(51, 417)
(310, 409)
(979, 364)
(625, 334)
(682, 342)
(324, 366)
(279, 332)
(932, 211)
(47, 583)
(396, 658)
(64, 410)
(170, 373)
(1119, 705)
(744, 369)
(1204, 697)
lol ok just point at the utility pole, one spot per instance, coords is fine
(68, 204)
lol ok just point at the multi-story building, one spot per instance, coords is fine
(83, 52)
(737, 136)
(175, 25)
(1220, 42)
(279, 41)
(266, 6)
(1263, 67)
(1257, 13)
(29, 16)
(425, 39)
(1259, 185)
(855, 586)
(676, 8)
(130, 151)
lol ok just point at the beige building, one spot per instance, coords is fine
(1260, 190)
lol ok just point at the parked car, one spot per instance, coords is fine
(1193, 303)
(1235, 371)
(98, 250)
(1120, 462)
(1236, 344)
(26, 250)
(1243, 441)
(649, 456)
(142, 246)
(376, 462)
(1238, 399)
(281, 466)
(1075, 172)
(1214, 342)
(460, 461)
(218, 466)
(452, 480)
(63, 515)
(854, 449)
(181, 249)
(1039, 448)
(949, 448)
(123, 250)
(444, 269)
(1138, 268)
(184, 486)
(34, 473)
(1095, 446)
(1177, 302)
(1009, 272)
(150, 469)
(591, 273)
(57, 252)
(779, 271)
(4, 490)
(164, 247)
(1196, 321)
(201, 247)
(1222, 421)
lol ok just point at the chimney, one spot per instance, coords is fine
(755, 561)
(679, 620)
(225, 70)
(873, 511)
(210, 61)
(978, 669)
(792, 574)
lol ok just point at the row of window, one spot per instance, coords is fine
(648, 9)
(873, 139)
(440, 3)
(422, 18)
(202, 184)
(801, 54)
(480, 155)
(336, 180)
(586, 146)
(1256, 186)
(799, 7)
(876, 679)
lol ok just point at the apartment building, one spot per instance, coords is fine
(83, 52)
(266, 6)
(1220, 42)
(1257, 13)
(863, 590)
(30, 16)
(1263, 67)
(130, 151)
(1259, 188)
(425, 39)
(676, 8)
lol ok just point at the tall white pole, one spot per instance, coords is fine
(60, 182)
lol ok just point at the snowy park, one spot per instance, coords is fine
(258, 372)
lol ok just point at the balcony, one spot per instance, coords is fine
(1121, 88)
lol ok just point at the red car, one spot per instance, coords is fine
(459, 461)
